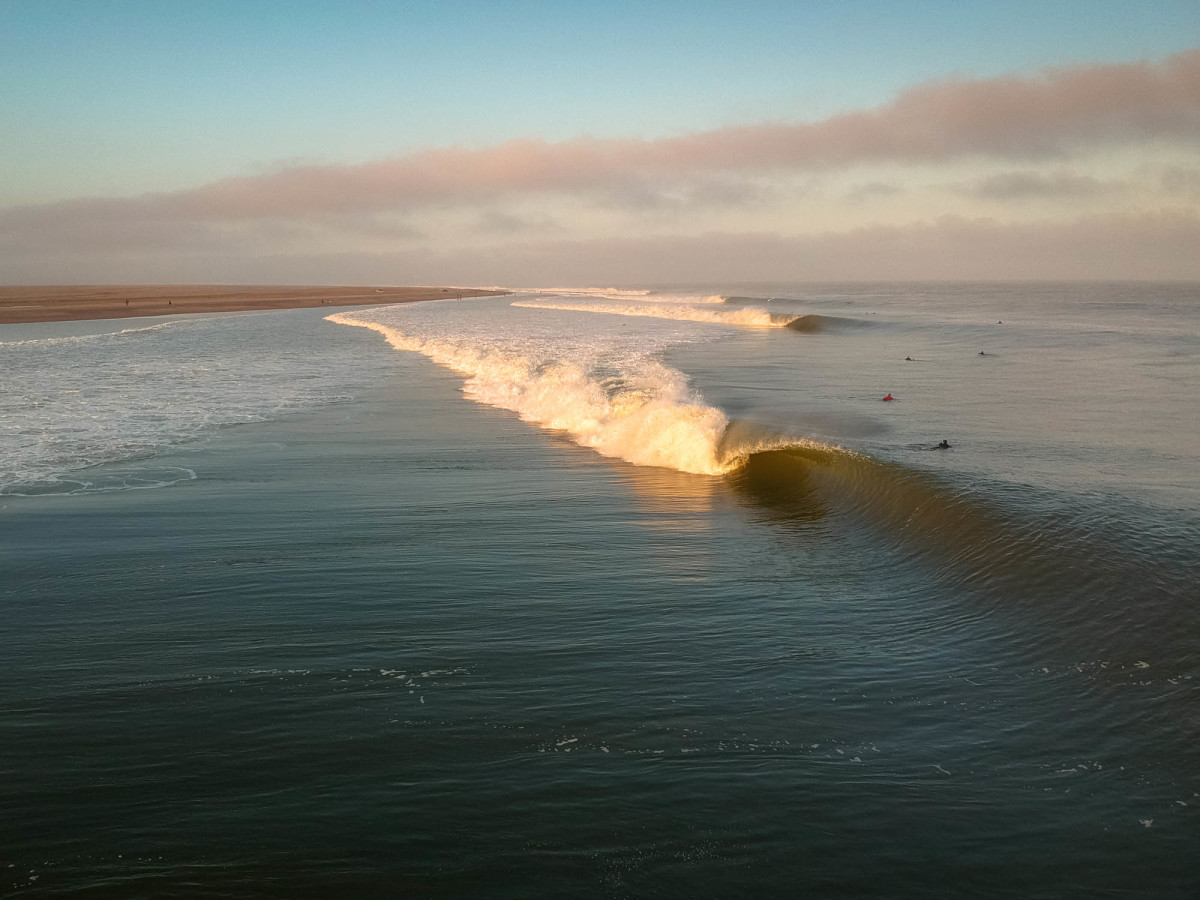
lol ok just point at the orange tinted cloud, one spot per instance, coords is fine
(1051, 114)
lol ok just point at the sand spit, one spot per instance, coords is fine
(62, 303)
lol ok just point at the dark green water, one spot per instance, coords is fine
(421, 649)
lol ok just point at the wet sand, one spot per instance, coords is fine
(62, 303)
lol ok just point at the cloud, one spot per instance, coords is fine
(872, 190)
(1035, 185)
(1159, 245)
(498, 222)
(1011, 117)
(1179, 181)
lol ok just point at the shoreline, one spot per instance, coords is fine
(25, 304)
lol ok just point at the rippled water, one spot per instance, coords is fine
(559, 599)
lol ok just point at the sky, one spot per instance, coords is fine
(527, 143)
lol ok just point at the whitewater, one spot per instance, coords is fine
(608, 389)
(626, 404)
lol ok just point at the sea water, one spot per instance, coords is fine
(608, 593)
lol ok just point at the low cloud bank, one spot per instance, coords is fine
(1117, 247)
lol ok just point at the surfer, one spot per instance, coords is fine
(908, 359)
(888, 397)
(944, 445)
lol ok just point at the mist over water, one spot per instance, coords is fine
(611, 593)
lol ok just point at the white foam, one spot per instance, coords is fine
(644, 296)
(749, 317)
(584, 292)
(98, 336)
(685, 298)
(70, 403)
(614, 398)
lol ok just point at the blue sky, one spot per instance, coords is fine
(116, 98)
(105, 96)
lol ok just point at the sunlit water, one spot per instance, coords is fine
(608, 594)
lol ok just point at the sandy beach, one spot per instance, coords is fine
(62, 303)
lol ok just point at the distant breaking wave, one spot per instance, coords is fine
(745, 317)
(646, 296)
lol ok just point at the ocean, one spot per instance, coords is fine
(608, 593)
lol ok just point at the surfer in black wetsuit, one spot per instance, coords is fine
(944, 445)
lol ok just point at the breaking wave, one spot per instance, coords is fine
(637, 409)
(751, 318)
(1060, 570)
(612, 393)
(747, 317)
(631, 406)
(615, 293)
(645, 296)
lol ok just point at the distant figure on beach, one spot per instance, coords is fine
(944, 445)
(888, 397)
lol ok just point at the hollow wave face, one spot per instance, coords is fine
(813, 324)
(746, 317)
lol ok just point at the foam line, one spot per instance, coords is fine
(746, 317)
